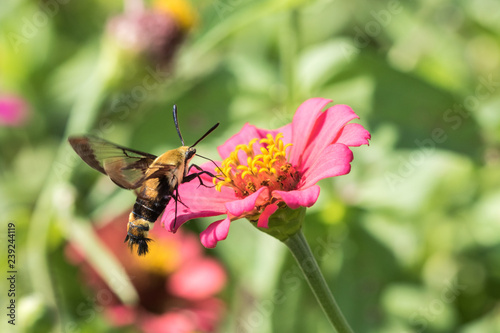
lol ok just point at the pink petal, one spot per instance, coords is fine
(299, 198)
(215, 232)
(240, 206)
(266, 214)
(302, 125)
(197, 280)
(249, 132)
(333, 161)
(354, 135)
(326, 130)
(200, 201)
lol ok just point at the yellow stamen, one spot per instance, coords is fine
(268, 168)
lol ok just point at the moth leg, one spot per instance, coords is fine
(192, 176)
(201, 170)
(176, 198)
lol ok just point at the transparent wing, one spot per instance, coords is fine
(124, 166)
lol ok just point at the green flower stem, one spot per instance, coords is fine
(300, 249)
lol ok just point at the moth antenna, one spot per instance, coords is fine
(205, 135)
(177, 124)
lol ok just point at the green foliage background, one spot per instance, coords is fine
(408, 241)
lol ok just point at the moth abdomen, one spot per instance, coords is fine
(137, 233)
(153, 197)
(141, 242)
(149, 210)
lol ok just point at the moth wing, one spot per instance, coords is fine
(162, 170)
(124, 166)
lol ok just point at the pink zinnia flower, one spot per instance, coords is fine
(264, 170)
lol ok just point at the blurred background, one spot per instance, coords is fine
(409, 241)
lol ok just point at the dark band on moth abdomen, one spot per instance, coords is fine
(149, 210)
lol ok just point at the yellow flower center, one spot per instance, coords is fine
(246, 172)
(181, 10)
(163, 258)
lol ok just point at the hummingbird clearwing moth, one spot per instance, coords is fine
(154, 178)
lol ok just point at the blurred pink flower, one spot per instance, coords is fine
(264, 170)
(13, 111)
(156, 32)
(176, 283)
(152, 33)
(197, 279)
